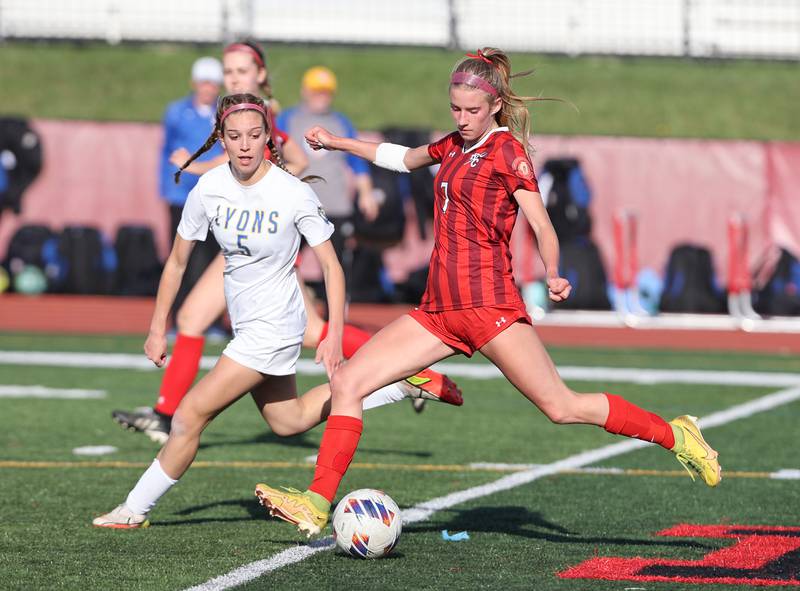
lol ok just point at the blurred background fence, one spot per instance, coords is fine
(691, 28)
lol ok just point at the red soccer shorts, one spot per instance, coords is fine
(469, 329)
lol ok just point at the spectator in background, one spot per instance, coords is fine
(188, 122)
(317, 91)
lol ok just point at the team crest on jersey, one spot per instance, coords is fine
(522, 168)
(476, 157)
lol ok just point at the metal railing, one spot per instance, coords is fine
(691, 28)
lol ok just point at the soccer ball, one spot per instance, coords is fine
(367, 523)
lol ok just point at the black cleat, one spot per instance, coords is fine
(145, 420)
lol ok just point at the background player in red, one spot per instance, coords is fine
(471, 302)
(245, 71)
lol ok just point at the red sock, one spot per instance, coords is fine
(180, 373)
(628, 419)
(339, 443)
(352, 339)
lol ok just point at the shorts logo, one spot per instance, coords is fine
(522, 168)
(500, 322)
(761, 555)
(475, 158)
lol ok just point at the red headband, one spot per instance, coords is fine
(243, 107)
(247, 49)
(473, 80)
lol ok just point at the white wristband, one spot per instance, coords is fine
(391, 156)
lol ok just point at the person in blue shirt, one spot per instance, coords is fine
(339, 169)
(187, 122)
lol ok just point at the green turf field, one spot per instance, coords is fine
(520, 538)
(616, 96)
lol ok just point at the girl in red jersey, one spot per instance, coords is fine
(245, 71)
(471, 302)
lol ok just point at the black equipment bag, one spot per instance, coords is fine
(17, 138)
(689, 283)
(582, 266)
(87, 263)
(781, 295)
(138, 266)
(568, 198)
(25, 247)
(366, 276)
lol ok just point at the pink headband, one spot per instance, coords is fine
(242, 107)
(247, 49)
(473, 80)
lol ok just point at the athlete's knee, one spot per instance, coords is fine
(313, 332)
(285, 428)
(190, 321)
(187, 422)
(561, 408)
(344, 386)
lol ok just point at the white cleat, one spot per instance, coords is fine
(121, 518)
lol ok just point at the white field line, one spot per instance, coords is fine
(84, 360)
(454, 369)
(12, 391)
(94, 450)
(424, 510)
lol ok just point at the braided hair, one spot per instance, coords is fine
(216, 133)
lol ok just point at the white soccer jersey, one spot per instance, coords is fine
(259, 229)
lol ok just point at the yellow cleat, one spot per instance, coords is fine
(695, 454)
(293, 506)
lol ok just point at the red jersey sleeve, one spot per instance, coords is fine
(438, 149)
(278, 135)
(514, 168)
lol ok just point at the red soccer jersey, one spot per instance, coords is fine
(474, 214)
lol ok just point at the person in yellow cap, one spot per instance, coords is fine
(319, 80)
(317, 91)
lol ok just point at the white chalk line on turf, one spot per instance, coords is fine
(14, 391)
(453, 369)
(424, 510)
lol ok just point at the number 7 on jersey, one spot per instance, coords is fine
(446, 197)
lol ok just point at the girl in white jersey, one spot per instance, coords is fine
(245, 71)
(258, 214)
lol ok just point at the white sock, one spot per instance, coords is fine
(151, 486)
(386, 395)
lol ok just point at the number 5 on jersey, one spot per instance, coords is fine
(446, 198)
(242, 246)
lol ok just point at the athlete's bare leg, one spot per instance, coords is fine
(520, 355)
(219, 388)
(205, 302)
(399, 350)
(285, 412)
(315, 323)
